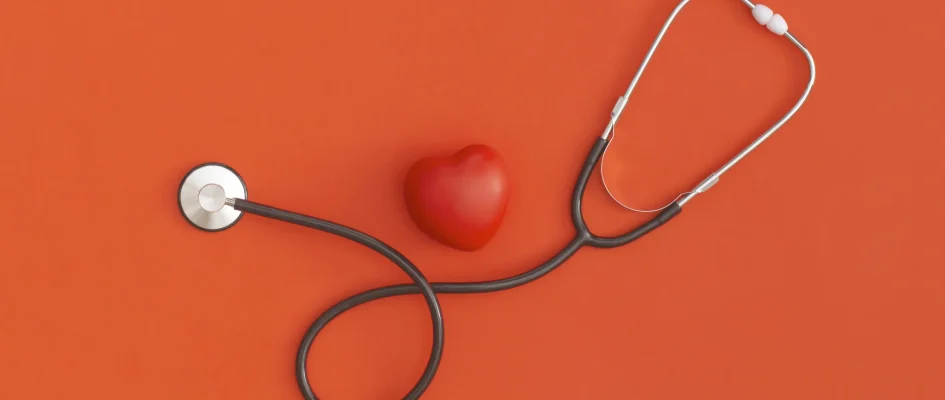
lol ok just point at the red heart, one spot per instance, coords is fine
(460, 200)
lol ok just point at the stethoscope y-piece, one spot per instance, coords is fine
(764, 16)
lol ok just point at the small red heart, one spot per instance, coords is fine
(460, 200)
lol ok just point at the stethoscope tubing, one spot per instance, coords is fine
(429, 291)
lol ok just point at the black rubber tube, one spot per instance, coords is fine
(430, 290)
(422, 286)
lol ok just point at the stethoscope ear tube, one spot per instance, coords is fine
(764, 16)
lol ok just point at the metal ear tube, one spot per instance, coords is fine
(764, 16)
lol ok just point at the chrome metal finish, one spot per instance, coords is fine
(764, 136)
(206, 194)
(211, 197)
(713, 178)
(622, 101)
(706, 184)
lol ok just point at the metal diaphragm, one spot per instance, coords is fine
(203, 193)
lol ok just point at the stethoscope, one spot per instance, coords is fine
(213, 197)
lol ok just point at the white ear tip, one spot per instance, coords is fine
(762, 14)
(777, 24)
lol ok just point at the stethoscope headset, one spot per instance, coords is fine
(212, 197)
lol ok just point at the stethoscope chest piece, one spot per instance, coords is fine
(203, 194)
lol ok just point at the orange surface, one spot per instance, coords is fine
(812, 271)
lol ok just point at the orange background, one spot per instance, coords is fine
(809, 272)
